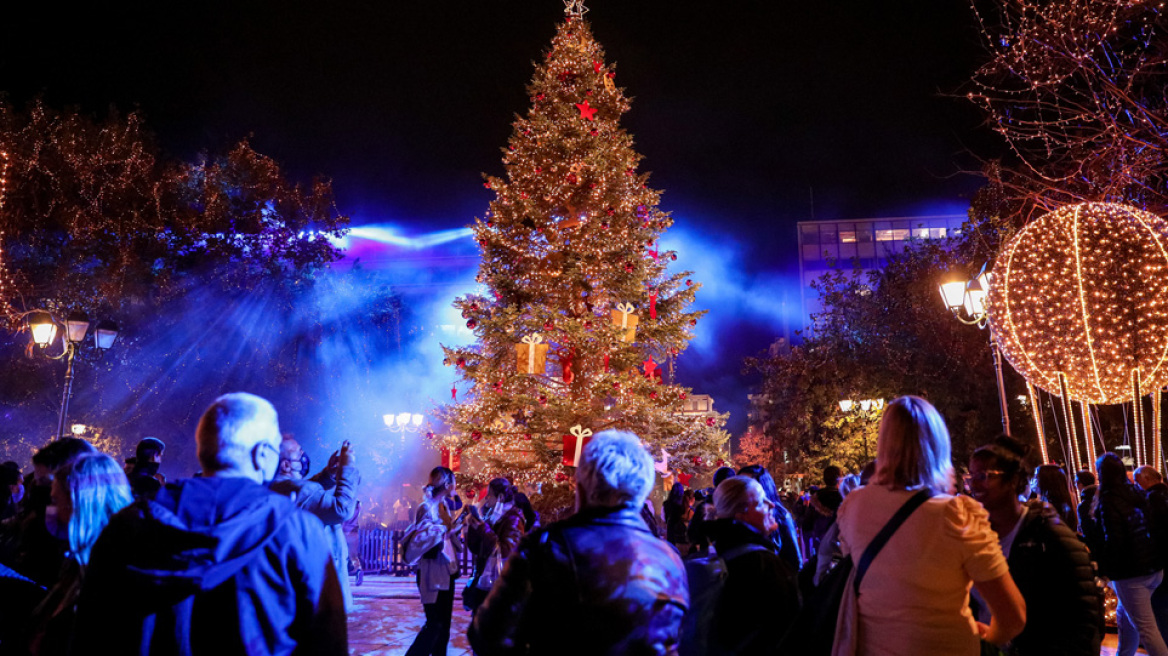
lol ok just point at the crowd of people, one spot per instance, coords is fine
(904, 557)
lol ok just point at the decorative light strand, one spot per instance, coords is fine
(1088, 433)
(1069, 416)
(1037, 410)
(1157, 460)
(1138, 412)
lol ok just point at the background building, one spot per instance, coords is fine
(824, 245)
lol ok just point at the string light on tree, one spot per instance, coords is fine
(559, 344)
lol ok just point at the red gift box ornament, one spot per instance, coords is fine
(451, 459)
(574, 445)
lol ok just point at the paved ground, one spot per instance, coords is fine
(388, 615)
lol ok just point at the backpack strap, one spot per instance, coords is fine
(885, 534)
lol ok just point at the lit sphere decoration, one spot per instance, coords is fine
(1083, 291)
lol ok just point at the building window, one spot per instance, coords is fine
(810, 235)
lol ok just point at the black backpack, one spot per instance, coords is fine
(707, 578)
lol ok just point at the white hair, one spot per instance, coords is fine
(732, 495)
(232, 427)
(615, 470)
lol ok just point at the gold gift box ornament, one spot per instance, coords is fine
(531, 354)
(623, 316)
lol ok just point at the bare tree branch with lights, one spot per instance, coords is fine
(1077, 90)
(579, 313)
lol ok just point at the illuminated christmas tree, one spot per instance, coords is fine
(580, 314)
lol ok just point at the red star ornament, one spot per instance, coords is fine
(586, 111)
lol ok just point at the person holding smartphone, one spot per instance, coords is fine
(331, 495)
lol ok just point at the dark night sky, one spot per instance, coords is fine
(740, 107)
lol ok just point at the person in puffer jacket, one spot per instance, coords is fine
(1048, 561)
(1120, 533)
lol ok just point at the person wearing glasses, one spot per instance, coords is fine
(1050, 565)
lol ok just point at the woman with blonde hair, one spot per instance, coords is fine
(913, 597)
(86, 493)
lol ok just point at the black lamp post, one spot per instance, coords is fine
(44, 331)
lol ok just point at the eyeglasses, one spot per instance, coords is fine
(981, 477)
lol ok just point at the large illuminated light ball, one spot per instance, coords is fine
(1084, 291)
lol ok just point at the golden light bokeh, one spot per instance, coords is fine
(1083, 291)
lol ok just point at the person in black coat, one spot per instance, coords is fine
(761, 594)
(1050, 565)
(786, 537)
(596, 584)
(1120, 532)
(1153, 484)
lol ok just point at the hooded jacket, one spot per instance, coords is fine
(217, 566)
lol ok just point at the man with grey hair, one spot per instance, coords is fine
(217, 564)
(601, 569)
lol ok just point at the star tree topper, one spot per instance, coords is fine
(575, 8)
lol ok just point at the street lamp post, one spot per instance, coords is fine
(403, 422)
(868, 408)
(44, 330)
(967, 301)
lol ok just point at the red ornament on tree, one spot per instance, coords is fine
(476, 436)
(652, 395)
(572, 179)
(586, 112)
(527, 436)
(471, 324)
(693, 322)
(594, 132)
(461, 362)
(543, 400)
(653, 305)
(548, 325)
(683, 396)
(596, 66)
(709, 421)
(688, 282)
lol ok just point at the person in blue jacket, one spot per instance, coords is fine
(215, 565)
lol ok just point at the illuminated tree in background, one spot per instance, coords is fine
(180, 254)
(569, 247)
(1077, 89)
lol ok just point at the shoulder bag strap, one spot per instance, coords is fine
(885, 534)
